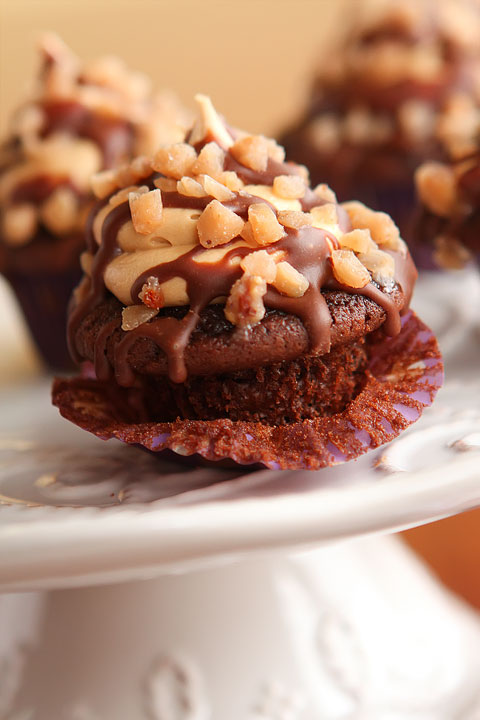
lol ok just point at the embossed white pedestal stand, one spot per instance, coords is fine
(194, 600)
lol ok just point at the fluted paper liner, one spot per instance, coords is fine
(402, 378)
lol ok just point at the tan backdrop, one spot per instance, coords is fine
(253, 57)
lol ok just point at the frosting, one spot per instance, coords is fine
(222, 218)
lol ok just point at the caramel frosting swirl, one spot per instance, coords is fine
(222, 218)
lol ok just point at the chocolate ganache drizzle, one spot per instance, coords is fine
(305, 232)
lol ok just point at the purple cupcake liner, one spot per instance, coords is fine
(402, 379)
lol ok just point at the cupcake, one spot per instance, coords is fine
(219, 284)
(81, 119)
(403, 82)
(447, 228)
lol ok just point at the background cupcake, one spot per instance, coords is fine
(82, 118)
(403, 84)
(447, 228)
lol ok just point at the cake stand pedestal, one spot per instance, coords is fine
(355, 630)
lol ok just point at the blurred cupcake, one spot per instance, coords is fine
(219, 284)
(81, 119)
(447, 229)
(403, 82)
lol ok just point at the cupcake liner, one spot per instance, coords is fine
(403, 377)
(44, 299)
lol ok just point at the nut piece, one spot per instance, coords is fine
(190, 187)
(59, 211)
(294, 219)
(289, 186)
(265, 227)
(251, 151)
(260, 263)
(215, 189)
(382, 228)
(210, 161)
(152, 295)
(289, 281)
(146, 209)
(135, 315)
(104, 183)
(174, 160)
(380, 264)
(348, 270)
(19, 224)
(360, 241)
(218, 225)
(245, 306)
(437, 188)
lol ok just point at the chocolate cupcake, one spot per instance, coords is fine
(447, 228)
(402, 83)
(219, 284)
(82, 118)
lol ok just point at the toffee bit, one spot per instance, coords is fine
(360, 241)
(437, 188)
(252, 152)
(348, 270)
(382, 228)
(259, 263)
(216, 189)
(19, 223)
(151, 294)
(210, 161)
(289, 281)
(135, 315)
(381, 266)
(265, 227)
(218, 225)
(59, 212)
(294, 219)
(191, 188)
(146, 209)
(289, 186)
(104, 183)
(174, 161)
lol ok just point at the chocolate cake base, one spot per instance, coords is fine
(217, 347)
(281, 393)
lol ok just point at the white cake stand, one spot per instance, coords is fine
(172, 594)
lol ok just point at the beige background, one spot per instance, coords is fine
(253, 57)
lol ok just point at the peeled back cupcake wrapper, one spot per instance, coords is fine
(404, 375)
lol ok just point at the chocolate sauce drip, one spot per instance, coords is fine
(106, 252)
